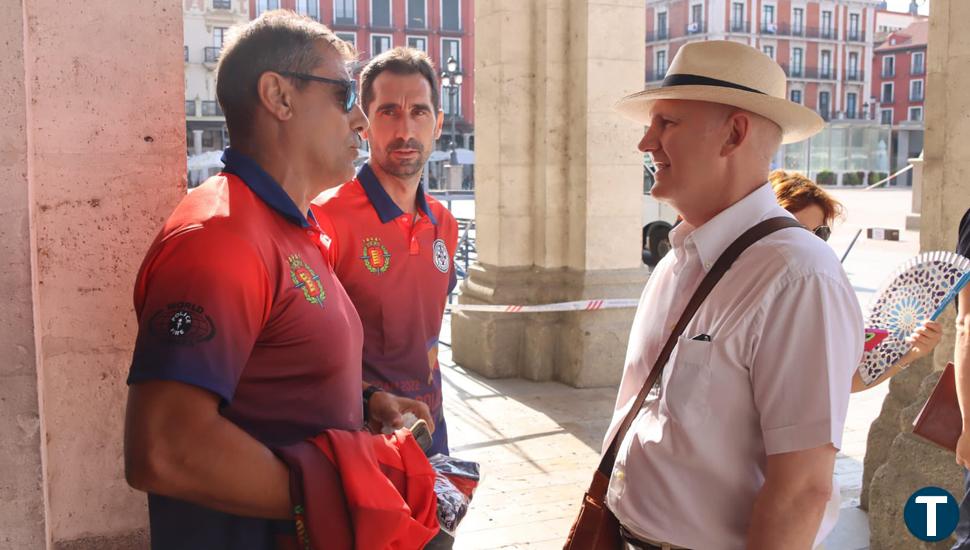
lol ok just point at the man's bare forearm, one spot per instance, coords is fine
(783, 520)
(961, 356)
(190, 452)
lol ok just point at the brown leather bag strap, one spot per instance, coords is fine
(717, 271)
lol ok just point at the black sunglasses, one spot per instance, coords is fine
(823, 232)
(349, 86)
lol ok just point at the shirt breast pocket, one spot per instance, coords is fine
(687, 382)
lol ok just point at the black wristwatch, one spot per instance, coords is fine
(369, 391)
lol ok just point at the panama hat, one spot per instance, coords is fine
(721, 71)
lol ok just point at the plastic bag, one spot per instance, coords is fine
(455, 484)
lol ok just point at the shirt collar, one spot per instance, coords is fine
(713, 238)
(386, 209)
(264, 186)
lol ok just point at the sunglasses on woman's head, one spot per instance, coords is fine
(349, 86)
(823, 232)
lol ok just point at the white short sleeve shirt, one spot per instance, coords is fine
(785, 336)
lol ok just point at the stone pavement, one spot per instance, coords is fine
(539, 442)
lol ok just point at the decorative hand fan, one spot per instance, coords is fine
(873, 337)
(916, 291)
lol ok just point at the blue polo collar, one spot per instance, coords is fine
(263, 184)
(382, 202)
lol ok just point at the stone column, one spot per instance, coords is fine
(92, 142)
(558, 188)
(897, 463)
(912, 219)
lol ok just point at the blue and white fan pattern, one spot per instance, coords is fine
(909, 297)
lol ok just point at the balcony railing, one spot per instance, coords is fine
(808, 72)
(916, 97)
(889, 73)
(855, 35)
(211, 108)
(189, 107)
(344, 21)
(826, 33)
(658, 35)
(740, 26)
(695, 28)
(855, 76)
(417, 24)
(770, 28)
(918, 70)
(656, 75)
(221, 4)
(211, 54)
(887, 99)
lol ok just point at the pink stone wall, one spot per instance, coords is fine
(21, 481)
(105, 164)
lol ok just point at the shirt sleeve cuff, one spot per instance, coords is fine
(799, 437)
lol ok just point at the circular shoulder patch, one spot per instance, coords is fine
(441, 256)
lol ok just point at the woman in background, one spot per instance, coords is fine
(817, 211)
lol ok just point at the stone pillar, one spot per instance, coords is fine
(890, 476)
(92, 142)
(196, 142)
(558, 188)
(912, 219)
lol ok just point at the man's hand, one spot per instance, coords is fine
(963, 450)
(924, 339)
(388, 409)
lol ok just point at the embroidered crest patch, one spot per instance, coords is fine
(182, 323)
(376, 258)
(306, 280)
(441, 256)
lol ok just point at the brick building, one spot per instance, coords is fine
(442, 28)
(822, 45)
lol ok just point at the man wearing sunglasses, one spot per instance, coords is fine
(391, 245)
(246, 340)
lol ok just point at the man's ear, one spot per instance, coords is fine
(275, 95)
(738, 126)
(438, 124)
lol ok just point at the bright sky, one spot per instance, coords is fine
(903, 5)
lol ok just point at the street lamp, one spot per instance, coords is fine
(451, 80)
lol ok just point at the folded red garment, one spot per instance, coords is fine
(386, 485)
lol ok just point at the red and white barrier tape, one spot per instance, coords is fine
(582, 305)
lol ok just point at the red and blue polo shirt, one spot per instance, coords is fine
(236, 296)
(398, 270)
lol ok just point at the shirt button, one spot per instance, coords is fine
(619, 475)
(707, 265)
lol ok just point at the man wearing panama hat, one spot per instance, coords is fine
(738, 448)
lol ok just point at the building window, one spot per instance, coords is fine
(851, 105)
(916, 90)
(451, 47)
(266, 5)
(796, 96)
(823, 105)
(796, 61)
(418, 43)
(886, 116)
(887, 92)
(769, 51)
(221, 4)
(825, 66)
(852, 71)
(854, 26)
(451, 15)
(379, 43)
(661, 64)
(917, 63)
(737, 17)
(417, 14)
(888, 66)
(768, 19)
(380, 14)
(344, 12)
(697, 14)
(310, 8)
(348, 37)
(826, 24)
(661, 25)
(916, 114)
(798, 21)
(218, 36)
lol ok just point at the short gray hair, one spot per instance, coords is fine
(278, 40)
